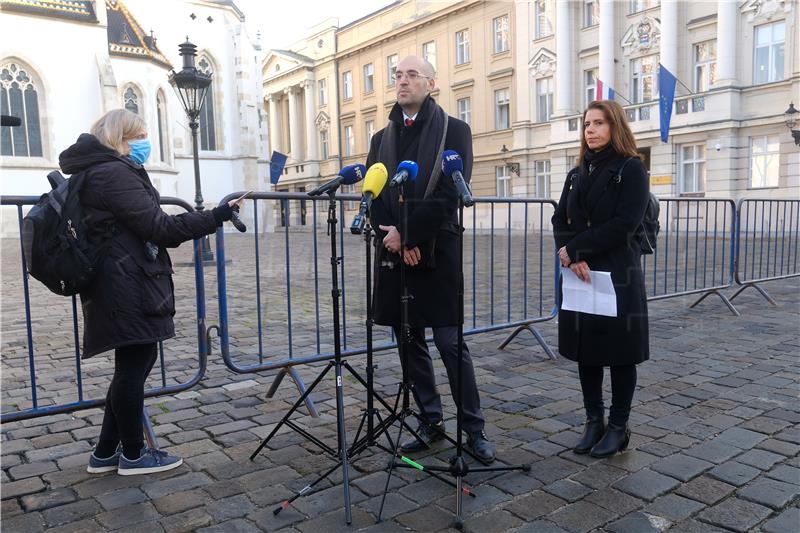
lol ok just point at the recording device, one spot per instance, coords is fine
(406, 171)
(8, 120)
(453, 166)
(348, 175)
(235, 220)
(374, 182)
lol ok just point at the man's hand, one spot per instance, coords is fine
(412, 256)
(392, 240)
(581, 269)
(564, 256)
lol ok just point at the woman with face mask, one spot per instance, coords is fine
(131, 302)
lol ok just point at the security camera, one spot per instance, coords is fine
(717, 147)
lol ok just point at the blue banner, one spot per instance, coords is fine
(276, 164)
(666, 95)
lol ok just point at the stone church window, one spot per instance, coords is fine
(131, 99)
(208, 137)
(19, 97)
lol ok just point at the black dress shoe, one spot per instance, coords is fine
(428, 434)
(480, 446)
(592, 433)
(615, 439)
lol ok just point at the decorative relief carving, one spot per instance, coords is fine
(543, 63)
(642, 37)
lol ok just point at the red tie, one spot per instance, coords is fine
(409, 122)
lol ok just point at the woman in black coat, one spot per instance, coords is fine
(130, 303)
(595, 227)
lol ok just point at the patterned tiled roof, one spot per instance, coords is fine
(82, 11)
(127, 39)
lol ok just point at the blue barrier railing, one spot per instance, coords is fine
(12, 410)
(768, 238)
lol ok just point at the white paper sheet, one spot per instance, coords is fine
(596, 298)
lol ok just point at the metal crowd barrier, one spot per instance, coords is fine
(16, 349)
(273, 290)
(768, 237)
(695, 250)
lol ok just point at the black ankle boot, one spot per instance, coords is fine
(592, 433)
(615, 439)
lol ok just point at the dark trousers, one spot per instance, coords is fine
(623, 383)
(122, 421)
(420, 374)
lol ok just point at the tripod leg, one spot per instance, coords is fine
(343, 443)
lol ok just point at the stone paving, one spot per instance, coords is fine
(715, 444)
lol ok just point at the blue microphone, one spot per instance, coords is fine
(453, 165)
(348, 175)
(406, 171)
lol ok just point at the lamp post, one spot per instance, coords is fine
(791, 122)
(191, 86)
(513, 167)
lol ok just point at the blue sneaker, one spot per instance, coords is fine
(149, 462)
(98, 466)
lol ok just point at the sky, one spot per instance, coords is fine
(284, 22)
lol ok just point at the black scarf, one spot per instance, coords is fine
(591, 163)
(431, 126)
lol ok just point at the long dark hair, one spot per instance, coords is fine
(622, 139)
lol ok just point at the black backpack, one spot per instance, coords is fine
(55, 239)
(647, 232)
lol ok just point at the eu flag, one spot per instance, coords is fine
(666, 95)
(277, 162)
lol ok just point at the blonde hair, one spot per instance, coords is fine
(115, 128)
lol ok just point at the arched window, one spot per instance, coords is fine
(131, 99)
(208, 137)
(19, 97)
(161, 115)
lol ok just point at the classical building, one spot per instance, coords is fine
(64, 63)
(520, 73)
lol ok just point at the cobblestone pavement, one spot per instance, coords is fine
(715, 443)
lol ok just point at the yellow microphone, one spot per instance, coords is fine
(374, 182)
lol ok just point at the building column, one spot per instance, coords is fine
(275, 122)
(564, 59)
(607, 45)
(311, 113)
(669, 35)
(295, 125)
(727, 17)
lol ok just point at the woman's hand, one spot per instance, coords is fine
(564, 256)
(581, 269)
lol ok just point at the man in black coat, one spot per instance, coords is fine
(428, 243)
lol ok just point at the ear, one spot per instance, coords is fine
(431, 84)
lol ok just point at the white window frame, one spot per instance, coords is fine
(696, 160)
(503, 181)
(638, 78)
(589, 86)
(369, 129)
(349, 141)
(543, 27)
(763, 162)
(502, 109)
(773, 47)
(323, 144)
(369, 78)
(541, 170)
(591, 13)
(501, 30)
(464, 106)
(429, 52)
(462, 47)
(636, 6)
(323, 91)
(347, 85)
(544, 100)
(391, 68)
(705, 70)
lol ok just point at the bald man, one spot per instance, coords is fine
(428, 243)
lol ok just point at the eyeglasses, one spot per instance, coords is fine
(410, 76)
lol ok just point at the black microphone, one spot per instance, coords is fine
(8, 120)
(406, 170)
(347, 176)
(236, 221)
(453, 165)
(374, 182)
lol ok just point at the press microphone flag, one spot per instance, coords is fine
(374, 182)
(453, 166)
(406, 171)
(8, 120)
(347, 176)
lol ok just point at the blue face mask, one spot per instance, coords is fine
(140, 150)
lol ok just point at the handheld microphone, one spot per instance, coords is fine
(8, 120)
(374, 182)
(406, 171)
(348, 175)
(453, 165)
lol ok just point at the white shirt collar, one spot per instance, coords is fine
(411, 117)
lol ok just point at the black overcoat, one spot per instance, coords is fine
(432, 226)
(601, 231)
(131, 300)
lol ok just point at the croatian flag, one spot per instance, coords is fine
(604, 92)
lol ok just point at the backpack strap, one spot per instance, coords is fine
(618, 176)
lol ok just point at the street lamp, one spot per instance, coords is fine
(191, 86)
(513, 167)
(791, 122)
